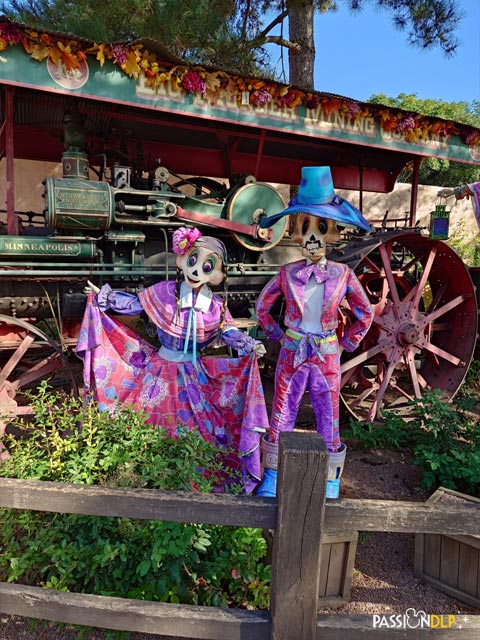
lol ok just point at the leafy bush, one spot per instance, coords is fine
(468, 248)
(443, 438)
(472, 380)
(162, 561)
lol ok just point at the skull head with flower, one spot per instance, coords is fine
(201, 258)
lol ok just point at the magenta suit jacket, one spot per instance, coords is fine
(341, 282)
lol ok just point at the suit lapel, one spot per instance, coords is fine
(296, 288)
(333, 283)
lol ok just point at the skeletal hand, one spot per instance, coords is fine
(260, 349)
(93, 287)
(445, 193)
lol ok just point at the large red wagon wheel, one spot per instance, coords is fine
(27, 356)
(425, 325)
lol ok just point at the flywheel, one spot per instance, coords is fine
(248, 205)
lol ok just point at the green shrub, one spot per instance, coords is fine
(443, 438)
(467, 247)
(162, 561)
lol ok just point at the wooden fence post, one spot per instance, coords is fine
(302, 477)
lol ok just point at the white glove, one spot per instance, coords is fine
(260, 349)
(93, 287)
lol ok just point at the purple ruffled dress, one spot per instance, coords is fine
(178, 387)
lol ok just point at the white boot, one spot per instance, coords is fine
(335, 469)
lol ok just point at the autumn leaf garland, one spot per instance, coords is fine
(136, 60)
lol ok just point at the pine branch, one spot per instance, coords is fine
(293, 46)
(278, 20)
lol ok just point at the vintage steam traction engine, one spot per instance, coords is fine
(118, 231)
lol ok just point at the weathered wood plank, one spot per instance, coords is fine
(341, 516)
(324, 569)
(478, 583)
(350, 563)
(145, 504)
(453, 592)
(333, 593)
(207, 623)
(336, 569)
(401, 517)
(341, 627)
(302, 478)
(449, 561)
(432, 547)
(468, 569)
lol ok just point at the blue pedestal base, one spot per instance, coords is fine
(333, 488)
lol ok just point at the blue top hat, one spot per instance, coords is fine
(316, 197)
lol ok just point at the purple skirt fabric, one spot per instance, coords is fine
(222, 398)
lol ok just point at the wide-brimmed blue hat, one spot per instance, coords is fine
(316, 196)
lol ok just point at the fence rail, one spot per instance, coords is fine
(300, 515)
(240, 511)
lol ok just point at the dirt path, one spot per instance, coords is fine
(383, 580)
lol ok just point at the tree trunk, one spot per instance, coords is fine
(300, 30)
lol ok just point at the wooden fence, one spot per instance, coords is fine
(300, 515)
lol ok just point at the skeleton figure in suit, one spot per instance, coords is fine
(313, 289)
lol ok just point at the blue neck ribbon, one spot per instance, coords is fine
(192, 331)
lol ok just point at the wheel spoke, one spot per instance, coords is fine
(363, 396)
(409, 357)
(40, 370)
(382, 323)
(28, 361)
(377, 403)
(443, 354)
(430, 317)
(15, 358)
(401, 391)
(438, 296)
(414, 261)
(374, 268)
(419, 288)
(385, 256)
(366, 355)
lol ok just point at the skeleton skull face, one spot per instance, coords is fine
(201, 266)
(313, 233)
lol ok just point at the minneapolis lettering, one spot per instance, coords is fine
(34, 248)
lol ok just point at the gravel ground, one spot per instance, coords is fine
(383, 579)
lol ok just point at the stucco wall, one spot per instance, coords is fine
(28, 184)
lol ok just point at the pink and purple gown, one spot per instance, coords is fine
(179, 388)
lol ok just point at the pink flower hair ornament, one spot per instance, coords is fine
(183, 239)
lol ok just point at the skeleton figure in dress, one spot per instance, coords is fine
(179, 386)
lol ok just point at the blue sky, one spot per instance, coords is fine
(362, 54)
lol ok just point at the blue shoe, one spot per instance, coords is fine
(268, 488)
